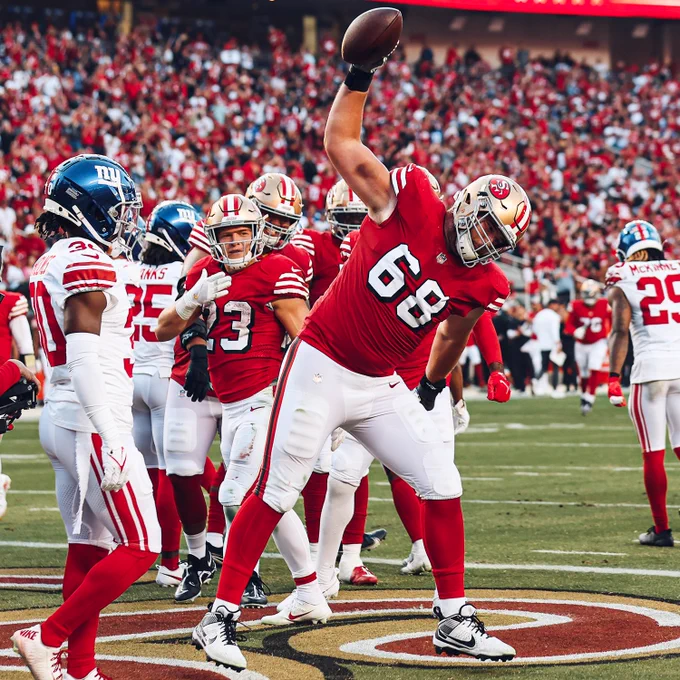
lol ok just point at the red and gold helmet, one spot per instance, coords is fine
(280, 202)
(590, 292)
(229, 212)
(491, 215)
(345, 211)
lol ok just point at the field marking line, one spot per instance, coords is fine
(45, 509)
(583, 504)
(579, 552)
(571, 445)
(33, 492)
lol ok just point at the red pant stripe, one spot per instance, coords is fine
(109, 505)
(274, 417)
(129, 491)
(638, 418)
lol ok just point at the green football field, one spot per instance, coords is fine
(553, 505)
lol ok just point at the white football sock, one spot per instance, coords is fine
(196, 544)
(233, 608)
(451, 605)
(291, 540)
(215, 539)
(338, 509)
(418, 547)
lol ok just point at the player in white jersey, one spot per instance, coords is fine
(165, 242)
(103, 490)
(644, 293)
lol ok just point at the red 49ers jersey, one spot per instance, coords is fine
(324, 249)
(12, 306)
(399, 283)
(596, 319)
(245, 338)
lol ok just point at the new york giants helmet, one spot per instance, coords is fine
(96, 194)
(635, 236)
(169, 226)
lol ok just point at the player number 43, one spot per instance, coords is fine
(387, 281)
(660, 289)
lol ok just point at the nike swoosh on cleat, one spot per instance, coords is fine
(256, 408)
(295, 617)
(465, 643)
(394, 384)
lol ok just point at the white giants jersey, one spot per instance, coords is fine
(653, 292)
(72, 266)
(157, 290)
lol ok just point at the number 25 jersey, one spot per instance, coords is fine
(245, 338)
(399, 283)
(653, 292)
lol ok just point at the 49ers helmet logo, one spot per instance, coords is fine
(499, 188)
(261, 184)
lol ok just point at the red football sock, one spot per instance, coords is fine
(153, 476)
(479, 374)
(171, 527)
(248, 535)
(584, 384)
(313, 496)
(656, 486)
(408, 506)
(444, 536)
(208, 475)
(217, 522)
(79, 560)
(103, 584)
(676, 451)
(190, 503)
(595, 380)
(354, 531)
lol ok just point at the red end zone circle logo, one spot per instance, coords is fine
(499, 188)
(380, 628)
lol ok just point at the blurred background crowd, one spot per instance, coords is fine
(194, 114)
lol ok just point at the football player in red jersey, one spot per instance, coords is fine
(416, 265)
(590, 319)
(267, 299)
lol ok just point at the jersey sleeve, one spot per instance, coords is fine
(615, 275)
(415, 197)
(305, 240)
(289, 282)
(19, 308)
(348, 244)
(87, 271)
(198, 239)
(497, 290)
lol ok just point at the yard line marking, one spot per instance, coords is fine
(527, 473)
(33, 544)
(579, 552)
(33, 492)
(24, 456)
(31, 586)
(577, 445)
(43, 509)
(575, 504)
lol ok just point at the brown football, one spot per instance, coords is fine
(372, 36)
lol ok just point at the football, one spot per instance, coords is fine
(372, 36)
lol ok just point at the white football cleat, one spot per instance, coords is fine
(416, 563)
(96, 674)
(43, 661)
(330, 592)
(170, 578)
(216, 636)
(5, 483)
(464, 633)
(287, 603)
(300, 612)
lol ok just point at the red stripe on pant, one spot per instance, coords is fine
(274, 417)
(636, 402)
(123, 508)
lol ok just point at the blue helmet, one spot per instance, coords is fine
(96, 194)
(170, 224)
(637, 235)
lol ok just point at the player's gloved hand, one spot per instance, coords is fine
(498, 387)
(205, 290)
(116, 468)
(580, 333)
(359, 76)
(337, 437)
(428, 391)
(616, 397)
(461, 417)
(197, 381)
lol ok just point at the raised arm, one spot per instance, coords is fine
(354, 161)
(618, 342)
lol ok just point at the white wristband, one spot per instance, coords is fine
(186, 306)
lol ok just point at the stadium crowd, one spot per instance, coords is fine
(193, 117)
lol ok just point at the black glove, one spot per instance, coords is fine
(428, 391)
(197, 382)
(198, 329)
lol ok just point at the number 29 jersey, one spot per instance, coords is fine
(653, 292)
(72, 266)
(245, 338)
(399, 283)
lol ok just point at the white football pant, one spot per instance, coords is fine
(653, 408)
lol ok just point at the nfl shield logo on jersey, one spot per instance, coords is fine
(441, 258)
